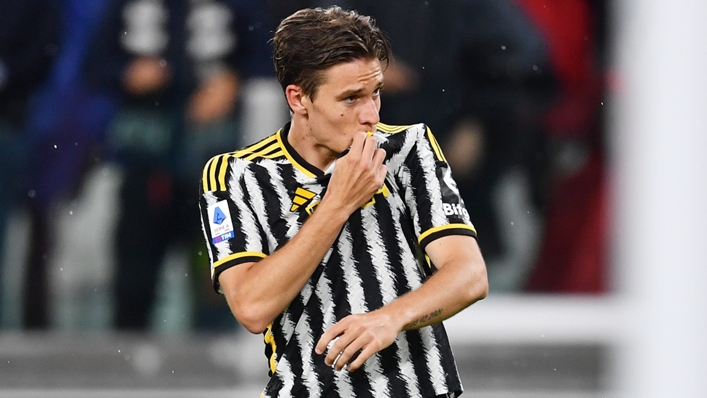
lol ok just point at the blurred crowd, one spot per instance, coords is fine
(513, 90)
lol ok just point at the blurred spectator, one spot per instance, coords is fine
(506, 84)
(178, 66)
(572, 257)
(28, 44)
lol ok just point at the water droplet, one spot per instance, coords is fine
(535, 67)
(512, 223)
(503, 47)
(55, 146)
(118, 351)
(71, 212)
(31, 193)
(602, 102)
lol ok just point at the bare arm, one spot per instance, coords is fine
(258, 292)
(460, 281)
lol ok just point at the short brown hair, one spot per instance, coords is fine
(311, 40)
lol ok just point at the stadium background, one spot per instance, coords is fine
(639, 336)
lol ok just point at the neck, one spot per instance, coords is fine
(302, 140)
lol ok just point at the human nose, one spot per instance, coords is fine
(369, 113)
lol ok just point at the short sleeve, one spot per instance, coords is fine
(230, 225)
(431, 193)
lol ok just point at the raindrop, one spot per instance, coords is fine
(512, 223)
(535, 67)
(76, 144)
(118, 351)
(31, 193)
(602, 102)
(71, 212)
(503, 47)
(55, 146)
(163, 63)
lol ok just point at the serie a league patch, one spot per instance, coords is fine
(220, 222)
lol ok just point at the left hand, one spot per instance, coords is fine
(370, 332)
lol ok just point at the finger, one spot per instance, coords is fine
(379, 156)
(338, 348)
(351, 351)
(366, 353)
(369, 148)
(334, 332)
(326, 338)
(358, 142)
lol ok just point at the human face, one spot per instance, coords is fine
(346, 102)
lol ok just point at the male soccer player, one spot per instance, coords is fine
(342, 239)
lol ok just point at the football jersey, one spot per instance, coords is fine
(256, 199)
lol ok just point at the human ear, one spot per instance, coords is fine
(296, 99)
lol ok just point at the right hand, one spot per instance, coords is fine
(358, 174)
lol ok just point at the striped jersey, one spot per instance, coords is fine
(253, 201)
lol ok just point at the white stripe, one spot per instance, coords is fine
(432, 186)
(354, 285)
(434, 360)
(342, 379)
(305, 342)
(284, 370)
(379, 254)
(356, 298)
(285, 201)
(247, 218)
(257, 201)
(413, 277)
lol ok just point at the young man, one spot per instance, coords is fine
(341, 239)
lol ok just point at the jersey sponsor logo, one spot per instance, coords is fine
(454, 209)
(301, 198)
(220, 223)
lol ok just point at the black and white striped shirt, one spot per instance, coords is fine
(256, 199)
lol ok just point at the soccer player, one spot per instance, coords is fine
(343, 240)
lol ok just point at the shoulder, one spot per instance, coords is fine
(400, 139)
(221, 170)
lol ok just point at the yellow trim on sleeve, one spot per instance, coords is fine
(222, 172)
(436, 147)
(442, 228)
(205, 176)
(236, 256)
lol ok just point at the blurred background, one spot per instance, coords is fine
(574, 128)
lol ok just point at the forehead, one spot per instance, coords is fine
(354, 75)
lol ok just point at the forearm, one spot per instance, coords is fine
(258, 292)
(443, 295)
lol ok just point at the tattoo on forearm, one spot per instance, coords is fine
(425, 318)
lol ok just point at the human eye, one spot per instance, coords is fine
(377, 92)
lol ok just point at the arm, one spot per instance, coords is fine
(460, 281)
(249, 287)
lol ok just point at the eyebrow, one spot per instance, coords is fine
(353, 93)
